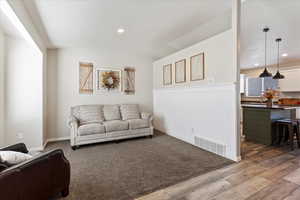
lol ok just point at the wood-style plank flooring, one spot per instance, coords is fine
(265, 173)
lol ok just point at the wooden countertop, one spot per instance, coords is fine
(275, 106)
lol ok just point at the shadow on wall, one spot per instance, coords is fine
(159, 123)
(52, 87)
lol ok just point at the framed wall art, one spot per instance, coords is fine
(180, 71)
(167, 74)
(197, 67)
(108, 80)
(86, 80)
(129, 80)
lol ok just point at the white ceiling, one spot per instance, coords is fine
(8, 27)
(154, 28)
(282, 16)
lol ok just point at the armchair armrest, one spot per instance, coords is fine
(20, 147)
(47, 172)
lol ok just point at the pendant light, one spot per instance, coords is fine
(265, 73)
(278, 75)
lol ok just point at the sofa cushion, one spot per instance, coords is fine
(138, 123)
(90, 129)
(89, 114)
(115, 125)
(111, 112)
(130, 111)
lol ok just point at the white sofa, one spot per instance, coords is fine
(100, 123)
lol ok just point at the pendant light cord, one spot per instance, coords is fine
(278, 53)
(266, 48)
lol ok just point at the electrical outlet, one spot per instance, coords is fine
(20, 135)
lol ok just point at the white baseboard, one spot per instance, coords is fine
(55, 140)
(238, 159)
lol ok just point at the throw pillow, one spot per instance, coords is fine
(12, 157)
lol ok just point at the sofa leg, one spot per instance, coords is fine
(75, 147)
(151, 136)
(65, 192)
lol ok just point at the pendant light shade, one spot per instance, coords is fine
(278, 75)
(265, 73)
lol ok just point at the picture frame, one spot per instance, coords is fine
(86, 78)
(180, 71)
(167, 74)
(129, 80)
(111, 76)
(197, 67)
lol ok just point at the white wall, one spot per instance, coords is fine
(63, 69)
(2, 50)
(23, 93)
(40, 41)
(207, 108)
(219, 66)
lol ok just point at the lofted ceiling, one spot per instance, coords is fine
(282, 17)
(155, 28)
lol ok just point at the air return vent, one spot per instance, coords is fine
(207, 145)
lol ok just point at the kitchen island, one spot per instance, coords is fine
(258, 121)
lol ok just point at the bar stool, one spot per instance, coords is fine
(292, 128)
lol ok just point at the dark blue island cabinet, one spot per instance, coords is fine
(259, 121)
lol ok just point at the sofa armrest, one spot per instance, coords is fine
(73, 121)
(147, 116)
(73, 124)
(20, 147)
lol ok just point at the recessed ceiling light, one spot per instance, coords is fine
(256, 64)
(121, 30)
(285, 55)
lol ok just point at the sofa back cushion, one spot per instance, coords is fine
(111, 112)
(130, 111)
(87, 114)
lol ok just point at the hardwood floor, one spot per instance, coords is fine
(265, 173)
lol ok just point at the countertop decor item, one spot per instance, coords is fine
(270, 94)
(265, 73)
(278, 75)
(289, 101)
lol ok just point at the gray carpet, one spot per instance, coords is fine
(132, 168)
